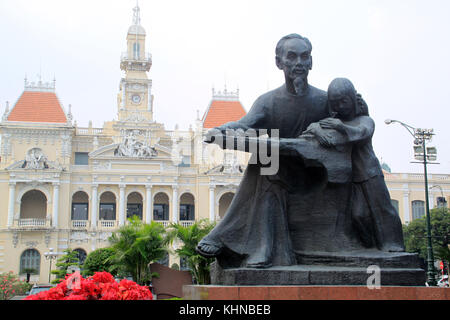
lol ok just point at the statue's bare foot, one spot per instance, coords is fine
(209, 249)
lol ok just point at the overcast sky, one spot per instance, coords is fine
(395, 52)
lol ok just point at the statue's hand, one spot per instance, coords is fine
(359, 99)
(325, 138)
(331, 123)
(228, 129)
(312, 129)
(211, 134)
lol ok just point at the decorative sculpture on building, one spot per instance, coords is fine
(35, 159)
(133, 148)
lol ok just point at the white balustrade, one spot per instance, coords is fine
(32, 222)
(187, 223)
(80, 223)
(89, 131)
(165, 223)
(147, 56)
(108, 223)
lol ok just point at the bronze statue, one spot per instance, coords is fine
(328, 200)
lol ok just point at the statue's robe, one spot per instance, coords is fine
(375, 219)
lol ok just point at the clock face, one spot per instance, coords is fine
(136, 98)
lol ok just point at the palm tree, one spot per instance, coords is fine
(135, 246)
(190, 237)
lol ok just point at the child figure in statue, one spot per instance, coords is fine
(373, 216)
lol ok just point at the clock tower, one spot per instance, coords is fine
(135, 99)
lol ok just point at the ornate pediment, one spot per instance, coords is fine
(35, 159)
(114, 151)
(226, 169)
(132, 148)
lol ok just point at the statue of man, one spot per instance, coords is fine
(254, 232)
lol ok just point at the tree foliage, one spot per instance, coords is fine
(97, 261)
(135, 246)
(190, 237)
(415, 234)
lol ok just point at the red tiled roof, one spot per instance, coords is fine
(38, 106)
(221, 112)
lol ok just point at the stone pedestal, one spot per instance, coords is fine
(192, 292)
(352, 268)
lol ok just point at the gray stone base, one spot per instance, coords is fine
(396, 269)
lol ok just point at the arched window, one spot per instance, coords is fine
(107, 206)
(161, 207)
(187, 207)
(395, 204)
(33, 205)
(30, 261)
(224, 203)
(80, 206)
(134, 205)
(418, 209)
(81, 255)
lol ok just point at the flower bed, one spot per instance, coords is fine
(100, 286)
(11, 285)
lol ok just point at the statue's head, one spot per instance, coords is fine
(342, 99)
(293, 56)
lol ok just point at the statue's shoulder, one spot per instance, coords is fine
(316, 92)
(270, 95)
(267, 100)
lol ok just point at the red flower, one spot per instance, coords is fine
(76, 297)
(101, 286)
(110, 295)
(103, 277)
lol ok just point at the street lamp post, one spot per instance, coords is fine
(50, 256)
(420, 153)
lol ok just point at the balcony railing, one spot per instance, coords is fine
(145, 57)
(186, 223)
(32, 222)
(108, 224)
(80, 224)
(165, 223)
(89, 131)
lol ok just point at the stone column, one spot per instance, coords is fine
(122, 205)
(94, 206)
(175, 209)
(55, 205)
(212, 211)
(148, 203)
(406, 218)
(11, 203)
